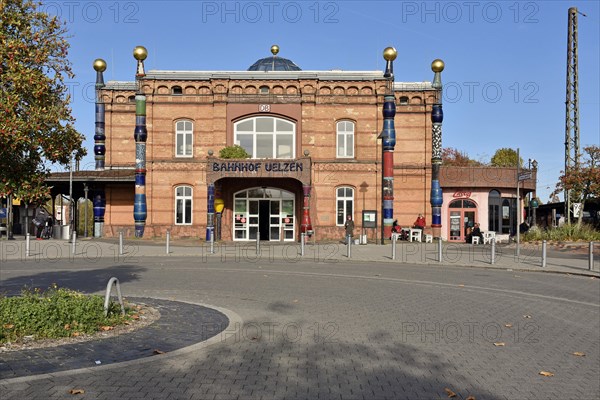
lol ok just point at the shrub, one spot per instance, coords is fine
(567, 232)
(233, 152)
(54, 313)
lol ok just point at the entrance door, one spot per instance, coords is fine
(463, 214)
(263, 219)
(265, 211)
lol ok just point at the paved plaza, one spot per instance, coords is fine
(325, 326)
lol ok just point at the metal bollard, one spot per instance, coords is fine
(493, 250)
(120, 243)
(74, 242)
(212, 241)
(591, 259)
(168, 241)
(440, 249)
(27, 245)
(302, 239)
(543, 254)
(348, 246)
(394, 248)
(257, 243)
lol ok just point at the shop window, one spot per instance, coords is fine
(345, 204)
(184, 136)
(183, 205)
(345, 139)
(494, 216)
(266, 137)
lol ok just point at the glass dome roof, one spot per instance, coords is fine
(274, 64)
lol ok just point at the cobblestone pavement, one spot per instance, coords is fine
(343, 330)
(176, 328)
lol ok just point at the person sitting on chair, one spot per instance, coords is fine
(420, 222)
(476, 233)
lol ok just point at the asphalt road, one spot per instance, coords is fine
(345, 330)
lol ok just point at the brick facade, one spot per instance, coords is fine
(214, 102)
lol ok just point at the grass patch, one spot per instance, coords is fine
(565, 233)
(56, 313)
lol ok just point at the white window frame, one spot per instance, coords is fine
(344, 198)
(184, 198)
(342, 135)
(275, 133)
(186, 134)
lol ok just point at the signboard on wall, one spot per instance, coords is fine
(369, 218)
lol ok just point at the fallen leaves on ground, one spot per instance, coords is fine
(77, 391)
(135, 316)
(107, 328)
(546, 373)
(471, 398)
(579, 354)
(449, 392)
(527, 316)
(499, 344)
(157, 351)
(508, 325)
(8, 326)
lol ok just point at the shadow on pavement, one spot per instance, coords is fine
(87, 281)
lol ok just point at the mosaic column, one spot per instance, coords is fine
(388, 136)
(306, 226)
(210, 210)
(140, 135)
(99, 199)
(99, 137)
(437, 116)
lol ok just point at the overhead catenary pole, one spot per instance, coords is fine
(140, 135)
(572, 150)
(388, 136)
(437, 117)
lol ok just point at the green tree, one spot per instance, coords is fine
(36, 126)
(505, 157)
(457, 158)
(233, 152)
(584, 180)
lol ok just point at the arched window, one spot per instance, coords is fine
(404, 100)
(345, 204)
(183, 205)
(176, 90)
(184, 137)
(345, 139)
(266, 137)
(264, 90)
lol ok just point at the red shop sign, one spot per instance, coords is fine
(460, 194)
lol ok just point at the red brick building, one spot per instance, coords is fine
(303, 129)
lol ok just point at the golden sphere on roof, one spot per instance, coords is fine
(437, 65)
(140, 53)
(390, 54)
(274, 49)
(99, 65)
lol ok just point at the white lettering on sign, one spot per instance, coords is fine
(264, 108)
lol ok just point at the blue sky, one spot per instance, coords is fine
(505, 60)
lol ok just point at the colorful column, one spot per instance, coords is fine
(210, 210)
(99, 199)
(140, 135)
(306, 226)
(437, 116)
(388, 136)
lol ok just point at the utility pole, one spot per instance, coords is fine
(572, 107)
